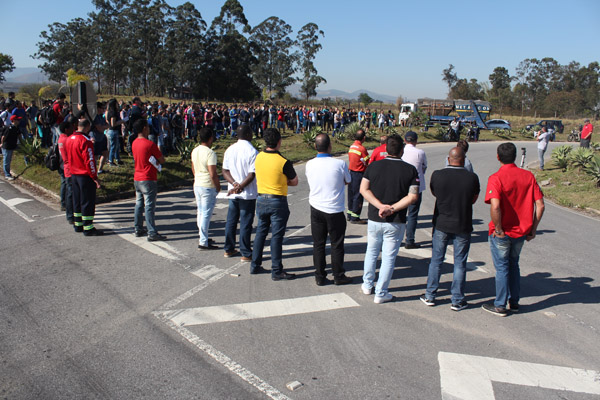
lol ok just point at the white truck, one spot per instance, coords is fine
(405, 110)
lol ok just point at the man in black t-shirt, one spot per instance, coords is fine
(455, 190)
(390, 186)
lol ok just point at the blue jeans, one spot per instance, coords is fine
(273, 214)
(461, 244)
(541, 157)
(205, 200)
(243, 211)
(505, 254)
(384, 237)
(145, 203)
(113, 146)
(412, 215)
(6, 159)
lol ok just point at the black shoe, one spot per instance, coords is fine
(258, 270)
(459, 306)
(348, 217)
(342, 280)
(283, 276)
(209, 247)
(358, 221)
(513, 307)
(156, 238)
(429, 302)
(491, 308)
(142, 232)
(78, 229)
(321, 280)
(412, 246)
(93, 232)
(70, 222)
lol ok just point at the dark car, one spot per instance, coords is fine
(555, 124)
(498, 124)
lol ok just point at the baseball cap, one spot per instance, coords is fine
(410, 136)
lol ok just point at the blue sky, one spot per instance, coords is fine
(390, 47)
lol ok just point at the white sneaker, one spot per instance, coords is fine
(383, 299)
(366, 290)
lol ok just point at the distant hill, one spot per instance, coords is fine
(26, 75)
(333, 93)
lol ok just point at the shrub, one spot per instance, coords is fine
(185, 149)
(309, 136)
(32, 150)
(560, 156)
(581, 157)
(593, 169)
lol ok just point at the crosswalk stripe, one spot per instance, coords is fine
(260, 309)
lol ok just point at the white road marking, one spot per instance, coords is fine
(20, 213)
(227, 362)
(220, 206)
(466, 377)
(260, 309)
(17, 200)
(207, 272)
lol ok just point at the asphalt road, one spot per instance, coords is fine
(118, 317)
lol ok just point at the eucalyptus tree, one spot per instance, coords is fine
(308, 43)
(184, 45)
(272, 46)
(6, 65)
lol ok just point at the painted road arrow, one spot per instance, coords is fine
(466, 377)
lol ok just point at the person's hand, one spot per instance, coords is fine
(499, 234)
(97, 182)
(385, 211)
(531, 236)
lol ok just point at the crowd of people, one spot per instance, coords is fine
(391, 179)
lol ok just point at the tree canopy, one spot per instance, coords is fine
(147, 47)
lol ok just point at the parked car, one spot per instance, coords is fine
(555, 124)
(498, 124)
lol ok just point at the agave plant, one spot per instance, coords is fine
(593, 169)
(581, 157)
(185, 149)
(32, 150)
(351, 129)
(309, 137)
(560, 155)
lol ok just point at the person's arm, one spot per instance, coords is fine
(537, 217)
(410, 198)
(229, 178)
(365, 191)
(496, 214)
(214, 177)
(293, 182)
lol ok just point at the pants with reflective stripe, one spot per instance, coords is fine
(84, 201)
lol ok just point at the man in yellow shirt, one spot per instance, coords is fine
(206, 184)
(273, 176)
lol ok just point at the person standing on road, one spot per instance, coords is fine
(84, 178)
(390, 186)
(464, 145)
(147, 158)
(67, 127)
(586, 133)
(238, 171)
(542, 137)
(206, 184)
(456, 190)
(8, 142)
(274, 174)
(517, 206)
(380, 152)
(327, 177)
(358, 159)
(418, 159)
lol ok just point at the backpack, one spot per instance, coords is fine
(52, 159)
(48, 116)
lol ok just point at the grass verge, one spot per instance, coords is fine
(572, 188)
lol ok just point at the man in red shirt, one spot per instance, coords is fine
(67, 127)
(586, 133)
(147, 158)
(84, 178)
(358, 158)
(517, 206)
(380, 152)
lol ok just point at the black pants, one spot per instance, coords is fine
(322, 224)
(355, 199)
(84, 201)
